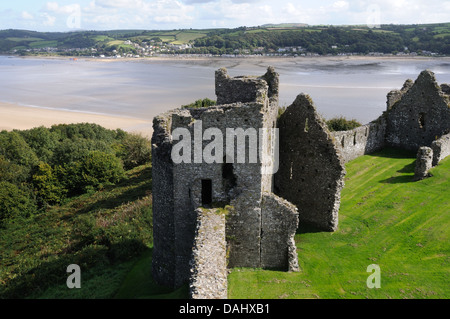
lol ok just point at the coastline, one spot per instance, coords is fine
(14, 116)
(187, 58)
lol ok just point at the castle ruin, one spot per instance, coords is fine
(233, 208)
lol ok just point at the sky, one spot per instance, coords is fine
(70, 15)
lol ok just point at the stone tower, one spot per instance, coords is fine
(216, 157)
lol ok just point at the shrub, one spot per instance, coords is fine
(201, 103)
(99, 169)
(48, 188)
(342, 124)
(42, 141)
(11, 172)
(14, 202)
(84, 131)
(14, 148)
(76, 149)
(135, 150)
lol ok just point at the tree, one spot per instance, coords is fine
(15, 149)
(135, 150)
(14, 202)
(48, 188)
(42, 141)
(99, 169)
(11, 172)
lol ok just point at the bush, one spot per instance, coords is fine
(76, 149)
(98, 169)
(48, 188)
(42, 141)
(13, 173)
(14, 148)
(14, 202)
(201, 103)
(85, 131)
(135, 150)
(342, 124)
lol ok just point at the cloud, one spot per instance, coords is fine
(67, 9)
(208, 1)
(128, 4)
(340, 5)
(123, 14)
(27, 16)
(49, 20)
(168, 14)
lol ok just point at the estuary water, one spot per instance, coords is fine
(351, 87)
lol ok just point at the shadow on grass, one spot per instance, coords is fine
(398, 179)
(130, 195)
(390, 152)
(99, 264)
(307, 228)
(139, 284)
(406, 177)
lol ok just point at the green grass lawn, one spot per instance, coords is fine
(385, 219)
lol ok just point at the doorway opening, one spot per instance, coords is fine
(206, 192)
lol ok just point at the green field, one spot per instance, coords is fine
(27, 39)
(385, 219)
(43, 44)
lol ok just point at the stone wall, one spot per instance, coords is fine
(279, 225)
(395, 95)
(246, 88)
(163, 267)
(420, 116)
(180, 186)
(311, 173)
(441, 149)
(424, 163)
(208, 266)
(362, 140)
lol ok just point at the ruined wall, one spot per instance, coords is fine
(311, 173)
(441, 149)
(179, 186)
(279, 225)
(420, 116)
(395, 95)
(208, 266)
(424, 163)
(362, 140)
(163, 267)
(246, 88)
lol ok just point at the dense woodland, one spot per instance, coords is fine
(42, 166)
(329, 40)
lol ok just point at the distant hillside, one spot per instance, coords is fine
(284, 38)
(285, 25)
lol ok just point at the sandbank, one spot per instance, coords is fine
(14, 116)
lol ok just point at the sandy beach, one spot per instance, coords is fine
(13, 116)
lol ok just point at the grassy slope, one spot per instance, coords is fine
(103, 232)
(385, 219)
